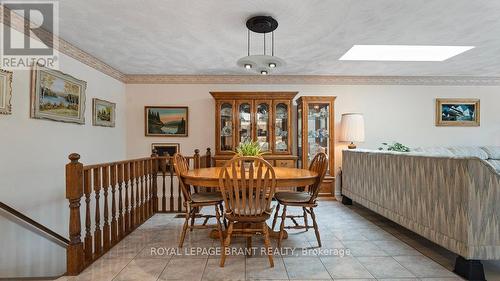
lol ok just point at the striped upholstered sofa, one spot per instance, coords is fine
(450, 196)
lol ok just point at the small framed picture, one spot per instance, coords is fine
(457, 112)
(164, 149)
(5, 91)
(166, 121)
(103, 113)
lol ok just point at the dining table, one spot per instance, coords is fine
(286, 178)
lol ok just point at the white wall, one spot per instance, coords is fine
(33, 153)
(392, 113)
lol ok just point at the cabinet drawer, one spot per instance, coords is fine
(327, 187)
(285, 163)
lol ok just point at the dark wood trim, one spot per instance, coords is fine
(31, 222)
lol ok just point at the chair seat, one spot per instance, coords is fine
(206, 197)
(292, 197)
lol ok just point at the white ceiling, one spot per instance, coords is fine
(209, 36)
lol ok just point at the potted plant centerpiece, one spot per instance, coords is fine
(249, 148)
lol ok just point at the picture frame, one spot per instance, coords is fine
(163, 148)
(166, 121)
(103, 113)
(57, 96)
(458, 112)
(5, 92)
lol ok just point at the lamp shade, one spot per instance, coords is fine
(352, 127)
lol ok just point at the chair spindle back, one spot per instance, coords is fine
(319, 164)
(247, 185)
(181, 165)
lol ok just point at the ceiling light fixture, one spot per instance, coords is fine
(262, 63)
(403, 52)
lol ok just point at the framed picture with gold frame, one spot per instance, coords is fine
(103, 113)
(457, 112)
(5, 92)
(57, 96)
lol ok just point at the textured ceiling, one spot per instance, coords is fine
(208, 36)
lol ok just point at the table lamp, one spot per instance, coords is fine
(352, 128)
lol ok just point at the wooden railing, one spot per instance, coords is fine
(118, 197)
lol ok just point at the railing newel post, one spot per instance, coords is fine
(196, 159)
(74, 193)
(208, 154)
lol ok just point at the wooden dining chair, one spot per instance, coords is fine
(194, 201)
(247, 185)
(304, 199)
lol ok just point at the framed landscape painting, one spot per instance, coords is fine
(103, 113)
(57, 96)
(162, 149)
(457, 112)
(166, 121)
(5, 91)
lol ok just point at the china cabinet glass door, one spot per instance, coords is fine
(317, 125)
(244, 122)
(226, 127)
(281, 128)
(262, 125)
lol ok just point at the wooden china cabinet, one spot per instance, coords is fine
(264, 117)
(315, 133)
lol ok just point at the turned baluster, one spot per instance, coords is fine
(120, 201)
(113, 205)
(171, 175)
(126, 172)
(105, 186)
(88, 223)
(163, 166)
(154, 178)
(144, 189)
(196, 164)
(132, 200)
(74, 192)
(97, 229)
(208, 163)
(147, 173)
(179, 191)
(137, 193)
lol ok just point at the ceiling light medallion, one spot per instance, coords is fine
(263, 63)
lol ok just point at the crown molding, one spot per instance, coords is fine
(313, 80)
(18, 22)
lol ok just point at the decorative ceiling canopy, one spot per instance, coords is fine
(262, 63)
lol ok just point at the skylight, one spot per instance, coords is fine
(403, 52)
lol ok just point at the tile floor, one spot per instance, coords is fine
(357, 245)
